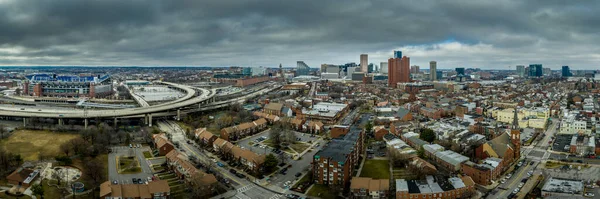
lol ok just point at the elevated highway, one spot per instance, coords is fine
(195, 100)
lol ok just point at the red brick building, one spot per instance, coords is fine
(162, 144)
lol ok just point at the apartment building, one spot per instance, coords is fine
(334, 164)
(244, 129)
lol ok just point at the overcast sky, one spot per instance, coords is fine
(491, 34)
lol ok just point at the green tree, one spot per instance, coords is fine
(427, 135)
(38, 190)
(270, 163)
(369, 127)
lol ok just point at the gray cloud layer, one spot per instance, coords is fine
(485, 34)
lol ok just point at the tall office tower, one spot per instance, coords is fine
(398, 70)
(414, 69)
(302, 68)
(536, 70)
(566, 71)
(521, 70)
(383, 67)
(364, 63)
(397, 54)
(433, 71)
(371, 68)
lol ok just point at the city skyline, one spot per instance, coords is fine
(483, 34)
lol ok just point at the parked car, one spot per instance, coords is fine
(502, 181)
(589, 195)
(521, 185)
(220, 164)
(516, 190)
(298, 174)
(115, 182)
(232, 171)
(239, 175)
(134, 180)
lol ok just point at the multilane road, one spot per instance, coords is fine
(187, 100)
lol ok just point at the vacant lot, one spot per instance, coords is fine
(29, 144)
(376, 169)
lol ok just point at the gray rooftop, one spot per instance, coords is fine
(563, 186)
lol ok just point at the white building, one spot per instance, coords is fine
(571, 125)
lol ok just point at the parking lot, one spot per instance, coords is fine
(376, 149)
(117, 151)
(255, 143)
(560, 142)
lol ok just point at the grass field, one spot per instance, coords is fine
(147, 154)
(128, 165)
(299, 147)
(321, 191)
(29, 143)
(377, 169)
(3, 196)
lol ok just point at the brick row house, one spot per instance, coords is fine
(186, 171)
(250, 160)
(361, 187)
(158, 189)
(162, 144)
(244, 129)
(204, 137)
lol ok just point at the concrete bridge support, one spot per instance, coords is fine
(146, 119)
(60, 122)
(150, 120)
(25, 122)
(85, 123)
(115, 123)
(178, 114)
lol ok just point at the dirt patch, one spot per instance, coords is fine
(29, 143)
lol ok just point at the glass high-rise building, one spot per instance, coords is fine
(536, 70)
(566, 71)
(397, 54)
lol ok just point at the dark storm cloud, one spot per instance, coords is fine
(252, 32)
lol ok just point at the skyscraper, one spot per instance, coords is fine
(433, 70)
(521, 70)
(302, 68)
(383, 67)
(535, 70)
(566, 71)
(364, 63)
(398, 70)
(397, 54)
(414, 69)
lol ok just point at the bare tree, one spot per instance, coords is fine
(94, 169)
(66, 148)
(200, 189)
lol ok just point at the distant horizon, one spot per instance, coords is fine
(286, 67)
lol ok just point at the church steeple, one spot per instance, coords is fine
(515, 124)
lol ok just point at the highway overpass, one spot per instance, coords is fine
(195, 100)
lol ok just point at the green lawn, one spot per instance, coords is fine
(377, 169)
(147, 154)
(321, 191)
